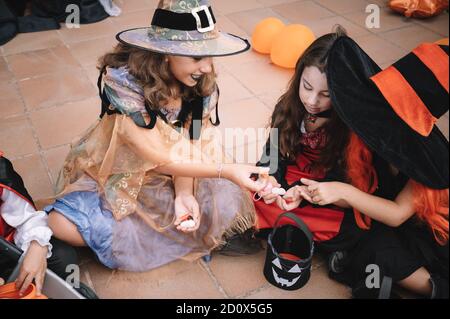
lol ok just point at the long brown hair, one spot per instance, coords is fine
(152, 72)
(290, 111)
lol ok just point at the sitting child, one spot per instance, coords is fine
(23, 225)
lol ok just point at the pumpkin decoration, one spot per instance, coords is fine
(9, 291)
(290, 44)
(419, 8)
(264, 34)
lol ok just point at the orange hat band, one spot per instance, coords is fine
(416, 85)
(435, 58)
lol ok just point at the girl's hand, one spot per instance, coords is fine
(324, 193)
(241, 175)
(186, 204)
(292, 198)
(266, 194)
(33, 267)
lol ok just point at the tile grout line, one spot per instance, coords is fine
(27, 51)
(268, 6)
(268, 285)
(80, 67)
(272, 5)
(254, 95)
(370, 30)
(254, 291)
(331, 10)
(113, 273)
(342, 15)
(90, 283)
(33, 130)
(70, 68)
(271, 108)
(28, 113)
(415, 22)
(219, 287)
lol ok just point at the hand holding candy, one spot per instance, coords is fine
(291, 199)
(187, 212)
(267, 193)
(278, 191)
(187, 221)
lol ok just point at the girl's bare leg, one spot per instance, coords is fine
(64, 229)
(418, 282)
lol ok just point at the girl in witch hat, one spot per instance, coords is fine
(393, 114)
(401, 209)
(148, 184)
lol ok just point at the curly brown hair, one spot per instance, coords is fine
(152, 72)
(290, 111)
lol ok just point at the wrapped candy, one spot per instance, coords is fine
(187, 221)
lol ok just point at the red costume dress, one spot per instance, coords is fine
(324, 222)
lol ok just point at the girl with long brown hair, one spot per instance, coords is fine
(374, 206)
(312, 141)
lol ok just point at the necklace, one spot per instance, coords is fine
(311, 118)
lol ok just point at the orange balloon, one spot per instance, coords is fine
(264, 34)
(290, 45)
(442, 41)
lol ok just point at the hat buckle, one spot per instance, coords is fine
(195, 13)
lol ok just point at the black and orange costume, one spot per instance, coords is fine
(393, 112)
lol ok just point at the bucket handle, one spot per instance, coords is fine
(299, 223)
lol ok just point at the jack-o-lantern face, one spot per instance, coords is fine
(289, 255)
(283, 276)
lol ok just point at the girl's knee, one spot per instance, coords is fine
(64, 229)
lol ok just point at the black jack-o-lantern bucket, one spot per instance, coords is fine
(289, 255)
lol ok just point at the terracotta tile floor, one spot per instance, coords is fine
(48, 98)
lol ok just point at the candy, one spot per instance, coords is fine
(278, 191)
(187, 223)
(186, 217)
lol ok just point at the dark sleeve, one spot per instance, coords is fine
(336, 174)
(272, 158)
(11, 179)
(389, 186)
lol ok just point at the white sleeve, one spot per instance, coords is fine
(29, 224)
